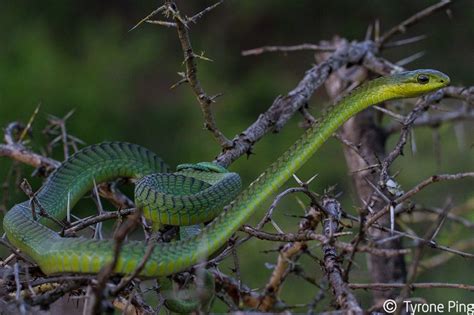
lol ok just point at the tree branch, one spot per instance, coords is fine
(191, 77)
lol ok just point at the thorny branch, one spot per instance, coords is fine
(345, 298)
(413, 286)
(288, 255)
(191, 74)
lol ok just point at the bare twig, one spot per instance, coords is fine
(26, 156)
(438, 260)
(82, 224)
(402, 26)
(412, 286)
(291, 237)
(203, 12)
(264, 49)
(191, 77)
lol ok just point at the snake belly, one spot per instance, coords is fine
(55, 254)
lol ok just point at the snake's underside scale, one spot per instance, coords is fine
(195, 193)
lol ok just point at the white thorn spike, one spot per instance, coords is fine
(392, 220)
(312, 178)
(299, 181)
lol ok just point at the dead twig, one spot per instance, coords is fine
(264, 49)
(191, 76)
(127, 280)
(86, 222)
(402, 26)
(412, 286)
(292, 237)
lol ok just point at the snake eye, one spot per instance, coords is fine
(423, 79)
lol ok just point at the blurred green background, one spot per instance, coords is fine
(79, 55)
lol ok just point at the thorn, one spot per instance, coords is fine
(201, 56)
(398, 117)
(410, 59)
(366, 205)
(147, 17)
(69, 114)
(98, 228)
(371, 210)
(378, 191)
(388, 239)
(279, 230)
(377, 30)
(392, 220)
(460, 133)
(300, 203)
(299, 181)
(311, 179)
(68, 213)
(413, 141)
(368, 32)
(449, 13)
(330, 189)
(214, 97)
(406, 41)
(162, 23)
(178, 83)
(339, 194)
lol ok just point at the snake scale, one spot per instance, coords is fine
(194, 193)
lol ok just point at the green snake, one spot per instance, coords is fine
(193, 194)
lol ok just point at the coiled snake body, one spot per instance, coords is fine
(193, 194)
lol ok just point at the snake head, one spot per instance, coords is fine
(417, 82)
(203, 166)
